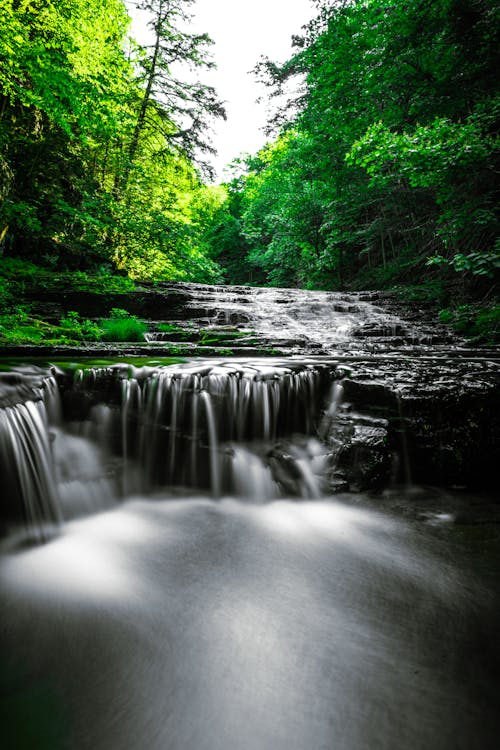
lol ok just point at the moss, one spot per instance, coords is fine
(21, 327)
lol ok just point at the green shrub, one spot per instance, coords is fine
(122, 326)
(482, 324)
(74, 328)
(100, 282)
(6, 295)
(18, 327)
(478, 264)
(430, 291)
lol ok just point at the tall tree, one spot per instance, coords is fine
(62, 81)
(181, 107)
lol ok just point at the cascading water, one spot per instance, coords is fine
(229, 593)
(243, 429)
(26, 459)
(183, 424)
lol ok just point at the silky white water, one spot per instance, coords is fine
(190, 624)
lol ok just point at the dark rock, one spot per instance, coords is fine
(360, 451)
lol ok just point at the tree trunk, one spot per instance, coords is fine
(139, 126)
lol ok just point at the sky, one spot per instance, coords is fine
(242, 30)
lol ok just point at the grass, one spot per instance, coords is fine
(171, 328)
(122, 326)
(19, 324)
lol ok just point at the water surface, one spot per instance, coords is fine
(189, 624)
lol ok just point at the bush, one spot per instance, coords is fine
(21, 326)
(481, 324)
(23, 275)
(170, 328)
(122, 326)
(72, 327)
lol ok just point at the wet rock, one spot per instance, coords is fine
(373, 330)
(284, 470)
(443, 421)
(224, 317)
(144, 303)
(365, 458)
(437, 395)
(19, 387)
(374, 394)
(360, 451)
(453, 438)
(337, 483)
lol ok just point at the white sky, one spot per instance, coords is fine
(242, 30)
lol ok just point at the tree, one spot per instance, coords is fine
(80, 127)
(180, 108)
(63, 79)
(389, 153)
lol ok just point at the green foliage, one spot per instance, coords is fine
(18, 277)
(474, 321)
(170, 328)
(122, 326)
(18, 327)
(478, 264)
(385, 159)
(430, 292)
(163, 238)
(383, 170)
(74, 328)
(181, 124)
(21, 326)
(428, 157)
(96, 135)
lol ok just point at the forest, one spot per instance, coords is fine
(380, 170)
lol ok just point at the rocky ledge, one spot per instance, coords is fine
(417, 403)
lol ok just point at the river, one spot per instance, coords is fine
(183, 599)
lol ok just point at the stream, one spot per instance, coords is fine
(243, 553)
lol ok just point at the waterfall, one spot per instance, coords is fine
(336, 396)
(221, 427)
(180, 424)
(78, 439)
(212, 443)
(27, 469)
(251, 478)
